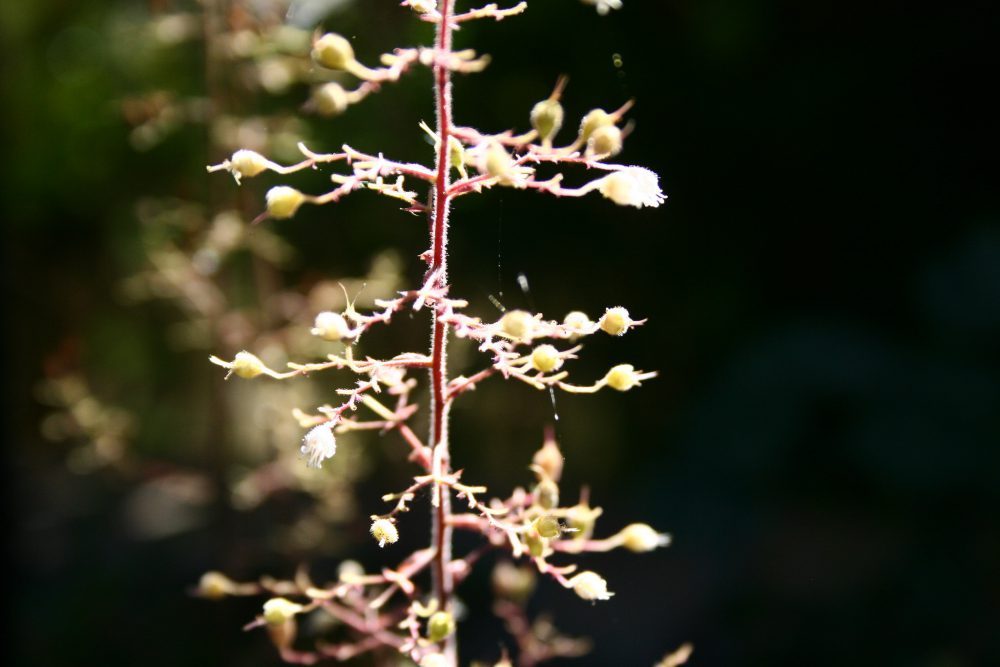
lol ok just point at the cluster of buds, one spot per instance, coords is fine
(534, 525)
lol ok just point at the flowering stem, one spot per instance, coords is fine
(441, 530)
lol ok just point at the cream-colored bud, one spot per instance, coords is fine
(590, 586)
(384, 531)
(247, 163)
(512, 582)
(577, 322)
(279, 610)
(593, 120)
(215, 586)
(581, 519)
(517, 324)
(331, 326)
(537, 545)
(247, 366)
(283, 201)
(434, 660)
(545, 358)
(605, 140)
(499, 164)
(423, 6)
(349, 570)
(333, 51)
(546, 494)
(331, 99)
(547, 118)
(440, 625)
(640, 537)
(550, 460)
(622, 377)
(615, 321)
(456, 153)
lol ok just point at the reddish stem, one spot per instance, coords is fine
(440, 529)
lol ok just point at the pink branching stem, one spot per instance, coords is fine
(441, 531)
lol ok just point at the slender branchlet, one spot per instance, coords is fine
(534, 525)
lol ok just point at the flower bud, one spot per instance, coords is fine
(279, 610)
(550, 460)
(547, 118)
(440, 625)
(605, 140)
(456, 153)
(622, 377)
(333, 51)
(581, 519)
(434, 660)
(548, 527)
(283, 201)
(517, 324)
(215, 586)
(384, 531)
(512, 582)
(545, 358)
(499, 164)
(546, 494)
(590, 586)
(615, 321)
(577, 322)
(246, 365)
(536, 543)
(349, 570)
(331, 99)
(640, 537)
(594, 120)
(422, 6)
(331, 326)
(246, 163)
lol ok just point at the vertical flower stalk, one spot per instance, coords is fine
(441, 531)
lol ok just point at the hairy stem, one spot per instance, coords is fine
(441, 530)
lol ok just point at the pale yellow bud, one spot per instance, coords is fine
(640, 537)
(283, 201)
(590, 586)
(512, 582)
(279, 610)
(577, 322)
(605, 140)
(547, 494)
(331, 99)
(622, 377)
(593, 120)
(384, 531)
(500, 164)
(545, 358)
(615, 321)
(333, 51)
(247, 163)
(517, 324)
(331, 326)
(456, 153)
(440, 625)
(632, 186)
(434, 660)
(550, 460)
(247, 365)
(581, 519)
(215, 585)
(547, 118)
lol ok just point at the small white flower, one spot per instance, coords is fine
(604, 6)
(632, 186)
(331, 326)
(319, 445)
(590, 586)
(384, 532)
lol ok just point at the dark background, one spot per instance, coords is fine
(823, 294)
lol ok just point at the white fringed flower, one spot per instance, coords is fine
(604, 6)
(319, 445)
(632, 186)
(590, 586)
